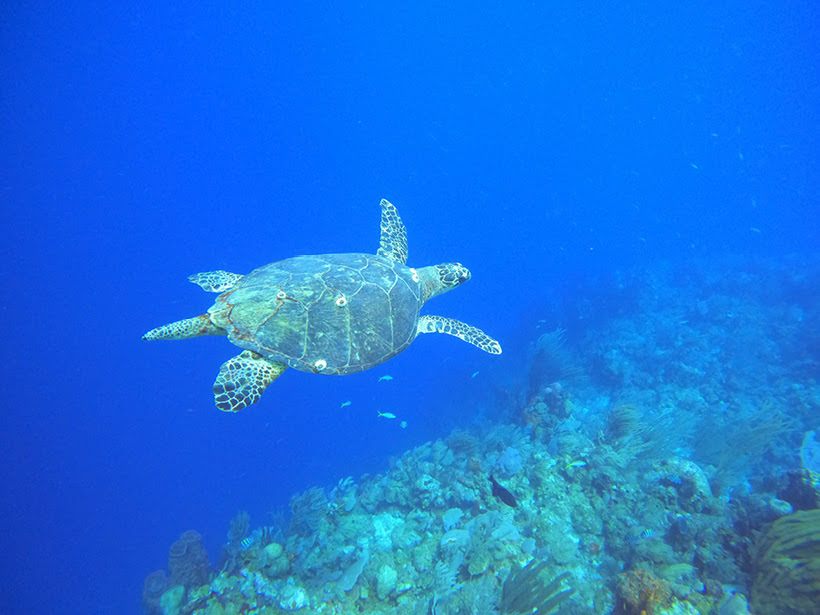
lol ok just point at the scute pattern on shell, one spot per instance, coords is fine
(376, 319)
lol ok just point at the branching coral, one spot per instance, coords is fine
(787, 566)
(308, 510)
(733, 441)
(525, 592)
(240, 525)
(551, 361)
(463, 443)
(623, 421)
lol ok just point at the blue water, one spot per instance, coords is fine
(548, 146)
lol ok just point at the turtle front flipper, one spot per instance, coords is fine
(468, 333)
(243, 379)
(393, 243)
(183, 329)
(215, 281)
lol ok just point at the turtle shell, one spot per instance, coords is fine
(327, 313)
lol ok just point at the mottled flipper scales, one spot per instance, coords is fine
(468, 333)
(215, 281)
(393, 243)
(183, 329)
(243, 379)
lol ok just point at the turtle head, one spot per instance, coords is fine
(438, 279)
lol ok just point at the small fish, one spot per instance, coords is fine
(345, 404)
(474, 375)
(645, 534)
(502, 494)
(754, 229)
(246, 542)
(386, 377)
(386, 415)
(403, 424)
(575, 464)
(693, 165)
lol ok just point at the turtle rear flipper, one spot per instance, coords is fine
(215, 281)
(463, 331)
(243, 379)
(183, 329)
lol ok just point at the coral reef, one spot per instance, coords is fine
(428, 535)
(641, 488)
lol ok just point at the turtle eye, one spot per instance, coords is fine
(462, 273)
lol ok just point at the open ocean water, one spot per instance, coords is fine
(635, 190)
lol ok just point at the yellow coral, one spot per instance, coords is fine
(643, 593)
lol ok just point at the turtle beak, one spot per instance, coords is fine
(461, 272)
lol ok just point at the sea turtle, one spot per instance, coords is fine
(325, 314)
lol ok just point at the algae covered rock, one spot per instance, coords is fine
(292, 597)
(386, 581)
(424, 555)
(480, 560)
(451, 518)
(171, 601)
(274, 561)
